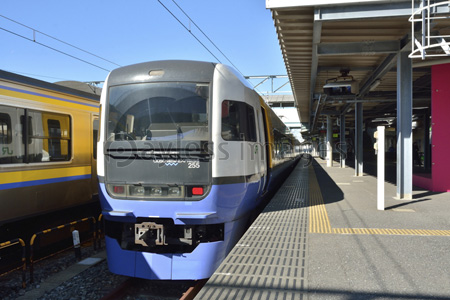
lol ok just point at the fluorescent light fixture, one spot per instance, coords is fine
(375, 84)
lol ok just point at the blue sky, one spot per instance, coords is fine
(127, 32)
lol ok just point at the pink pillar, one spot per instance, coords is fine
(440, 122)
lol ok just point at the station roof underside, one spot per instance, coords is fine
(320, 38)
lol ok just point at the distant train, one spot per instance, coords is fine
(187, 152)
(48, 136)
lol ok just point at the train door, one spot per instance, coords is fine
(266, 148)
(95, 129)
(260, 153)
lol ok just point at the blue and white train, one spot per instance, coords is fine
(187, 152)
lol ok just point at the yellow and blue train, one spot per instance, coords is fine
(48, 136)
(187, 152)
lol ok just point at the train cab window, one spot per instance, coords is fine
(238, 121)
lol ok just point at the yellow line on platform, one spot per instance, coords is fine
(320, 223)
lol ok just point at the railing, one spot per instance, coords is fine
(430, 42)
(24, 259)
(47, 231)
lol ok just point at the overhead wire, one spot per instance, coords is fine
(97, 56)
(185, 27)
(54, 49)
(35, 75)
(59, 40)
(173, 15)
(207, 37)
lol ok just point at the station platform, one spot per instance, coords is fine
(322, 237)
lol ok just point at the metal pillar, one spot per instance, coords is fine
(404, 126)
(343, 144)
(329, 142)
(358, 139)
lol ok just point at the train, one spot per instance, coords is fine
(48, 139)
(187, 153)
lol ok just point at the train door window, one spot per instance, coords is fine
(238, 121)
(95, 126)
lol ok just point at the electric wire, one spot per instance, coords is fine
(189, 31)
(207, 37)
(61, 41)
(54, 49)
(35, 75)
(97, 66)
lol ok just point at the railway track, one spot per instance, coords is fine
(133, 288)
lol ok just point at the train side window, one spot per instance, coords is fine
(238, 121)
(57, 136)
(50, 137)
(5, 129)
(54, 141)
(12, 149)
(29, 125)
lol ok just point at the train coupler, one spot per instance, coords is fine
(149, 234)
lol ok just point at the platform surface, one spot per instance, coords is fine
(322, 237)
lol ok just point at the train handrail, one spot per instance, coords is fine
(24, 259)
(33, 238)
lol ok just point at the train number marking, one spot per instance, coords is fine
(193, 164)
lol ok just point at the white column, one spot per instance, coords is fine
(380, 167)
(329, 142)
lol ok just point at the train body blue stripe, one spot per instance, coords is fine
(46, 96)
(42, 181)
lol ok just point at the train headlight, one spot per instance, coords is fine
(144, 192)
(156, 191)
(174, 191)
(137, 191)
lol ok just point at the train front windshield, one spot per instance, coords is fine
(158, 112)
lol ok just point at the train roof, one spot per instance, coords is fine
(47, 85)
(171, 70)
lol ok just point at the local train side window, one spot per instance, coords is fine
(238, 121)
(5, 129)
(29, 136)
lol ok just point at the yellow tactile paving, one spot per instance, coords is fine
(318, 220)
(320, 223)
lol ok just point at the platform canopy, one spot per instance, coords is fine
(326, 42)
